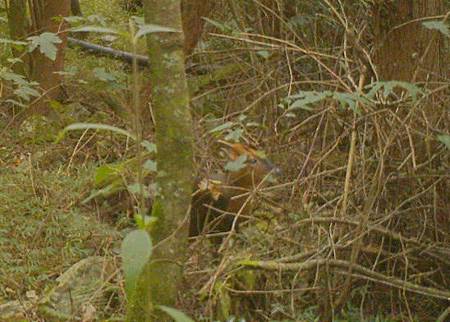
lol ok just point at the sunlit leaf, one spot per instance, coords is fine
(47, 43)
(96, 126)
(97, 29)
(178, 316)
(150, 29)
(136, 252)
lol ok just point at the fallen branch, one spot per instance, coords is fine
(358, 269)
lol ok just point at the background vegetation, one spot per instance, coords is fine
(348, 98)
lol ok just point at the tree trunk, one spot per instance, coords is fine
(18, 26)
(43, 69)
(75, 8)
(193, 12)
(405, 49)
(160, 282)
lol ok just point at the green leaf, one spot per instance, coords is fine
(98, 29)
(93, 126)
(222, 127)
(149, 146)
(101, 74)
(150, 165)
(26, 92)
(389, 86)
(234, 135)
(136, 188)
(222, 27)
(12, 42)
(136, 252)
(47, 44)
(445, 139)
(437, 25)
(178, 316)
(237, 164)
(150, 29)
(263, 53)
(304, 99)
(107, 173)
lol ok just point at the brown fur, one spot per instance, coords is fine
(217, 200)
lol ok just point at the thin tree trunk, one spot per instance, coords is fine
(193, 12)
(43, 69)
(18, 27)
(405, 49)
(160, 282)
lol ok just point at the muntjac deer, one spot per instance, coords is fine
(222, 199)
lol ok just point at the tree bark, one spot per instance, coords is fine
(160, 282)
(405, 49)
(18, 27)
(193, 12)
(76, 8)
(43, 69)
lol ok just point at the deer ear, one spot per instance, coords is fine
(235, 150)
(229, 149)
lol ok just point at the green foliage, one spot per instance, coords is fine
(150, 29)
(47, 43)
(24, 89)
(388, 88)
(438, 25)
(236, 165)
(136, 252)
(178, 316)
(445, 139)
(42, 232)
(93, 126)
(307, 99)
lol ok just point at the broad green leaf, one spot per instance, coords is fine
(74, 19)
(10, 76)
(107, 173)
(136, 188)
(93, 126)
(149, 146)
(98, 29)
(26, 92)
(263, 53)
(234, 135)
(12, 42)
(222, 127)
(178, 316)
(47, 44)
(237, 164)
(136, 252)
(437, 25)
(145, 221)
(304, 99)
(445, 139)
(101, 74)
(150, 165)
(150, 29)
(389, 86)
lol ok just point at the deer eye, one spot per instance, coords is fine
(252, 161)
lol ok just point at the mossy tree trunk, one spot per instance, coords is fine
(160, 281)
